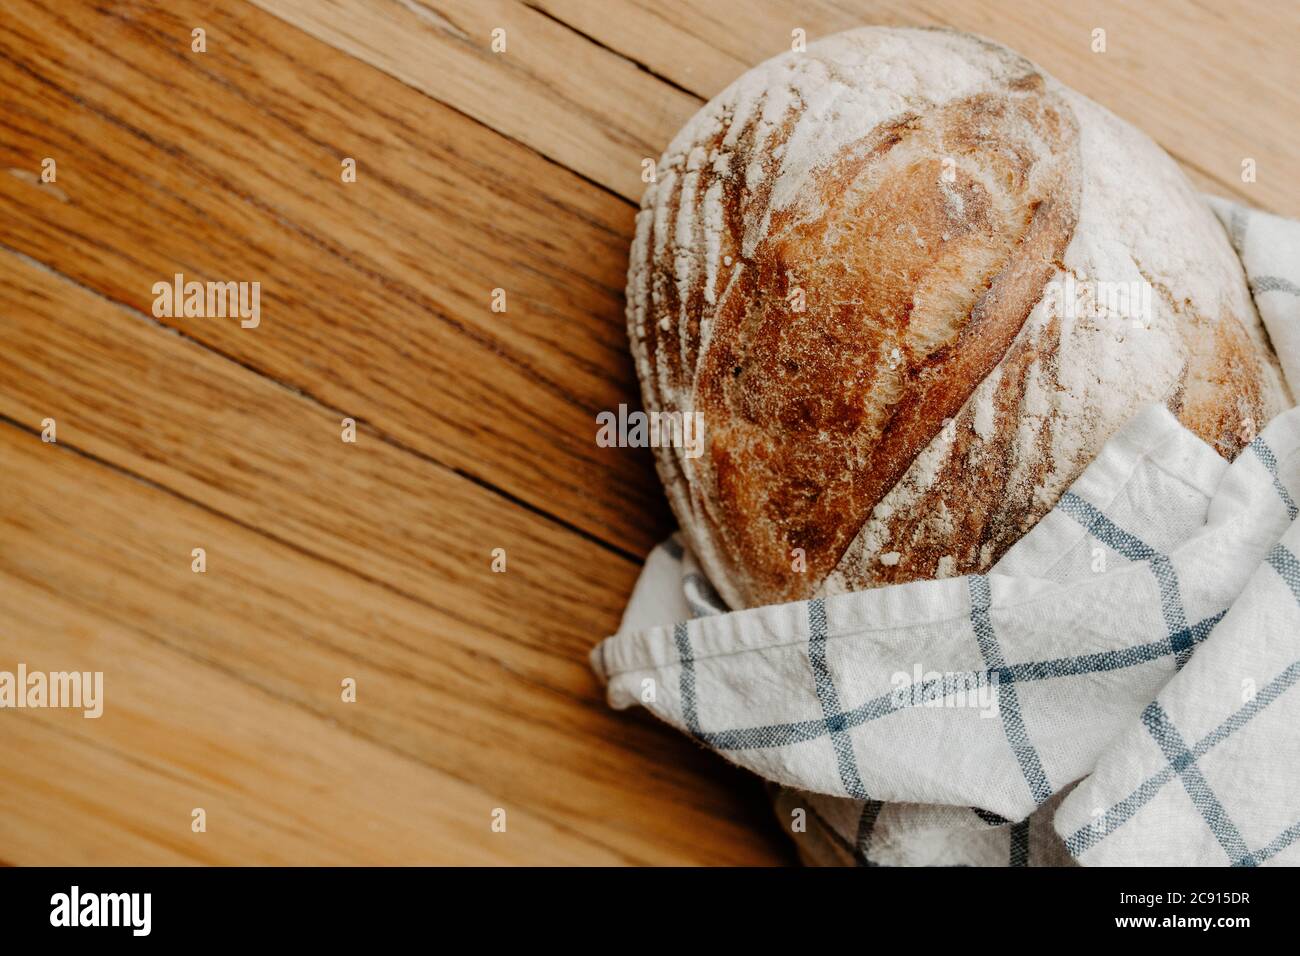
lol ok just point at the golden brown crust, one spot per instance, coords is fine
(830, 334)
(795, 457)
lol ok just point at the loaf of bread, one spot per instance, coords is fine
(913, 284)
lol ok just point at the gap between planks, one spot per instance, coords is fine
(363, 426)
(268, 692)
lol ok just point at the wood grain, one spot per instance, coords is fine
(500, 705)
(178, 734)
(1165, 64)
(477, 170)
(583, 106)
(376, 294)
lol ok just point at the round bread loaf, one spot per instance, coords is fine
(891, 273)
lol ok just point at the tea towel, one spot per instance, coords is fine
(1119, 689)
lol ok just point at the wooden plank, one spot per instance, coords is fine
(162, 407)
(700, 47)
(278, 786)
(584, 107)
(1165, 63)
(291, 630)
(376, 295)
(480, 675)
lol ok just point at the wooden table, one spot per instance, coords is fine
(328, 560)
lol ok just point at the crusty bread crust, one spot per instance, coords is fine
(843, 266)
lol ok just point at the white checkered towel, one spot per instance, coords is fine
(1119, 689)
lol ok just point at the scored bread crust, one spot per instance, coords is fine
(844, 266)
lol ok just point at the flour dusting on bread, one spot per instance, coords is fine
(843, 265)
